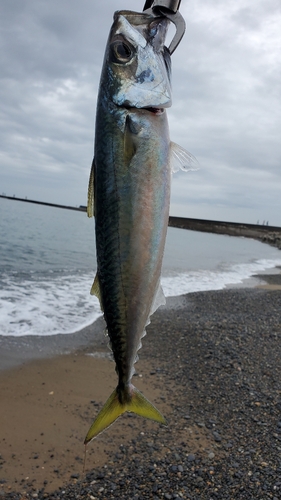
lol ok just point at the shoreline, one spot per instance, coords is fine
(210, 363)
(15, 351)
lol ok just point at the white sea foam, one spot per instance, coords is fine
(47, 307)
(204, 280)
(64, 304)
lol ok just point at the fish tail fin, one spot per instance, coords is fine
(113, 408)
(107, 415)
(141, 406)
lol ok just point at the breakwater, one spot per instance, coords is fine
(264, 233)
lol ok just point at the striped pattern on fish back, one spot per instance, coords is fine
(114, 304)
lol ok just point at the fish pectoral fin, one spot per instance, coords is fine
(129, 143)
(135, 403)
(95, 290)
(91, 199)
(108, 414)
(181, 159)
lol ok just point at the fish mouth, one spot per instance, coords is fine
(151, 109)
(155, 111)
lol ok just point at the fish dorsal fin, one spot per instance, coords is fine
(182, 159)
(95, 290)
(91, 200)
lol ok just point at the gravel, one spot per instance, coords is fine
(217, 360)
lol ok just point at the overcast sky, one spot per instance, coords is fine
(226, 103)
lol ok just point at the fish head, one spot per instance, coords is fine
(137, 64)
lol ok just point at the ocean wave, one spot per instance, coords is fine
(46, 306)
(49, 305)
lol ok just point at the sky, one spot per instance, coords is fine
(226, 111)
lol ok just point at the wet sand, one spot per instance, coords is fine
(46, 409)
(14, 351)
(210, 363)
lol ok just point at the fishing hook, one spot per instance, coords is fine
(169, 9)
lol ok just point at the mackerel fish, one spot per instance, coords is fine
(129, 195)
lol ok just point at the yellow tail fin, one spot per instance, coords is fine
(113, 409)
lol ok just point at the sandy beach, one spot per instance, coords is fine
(211, 362)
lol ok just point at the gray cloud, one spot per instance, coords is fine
(226, 103)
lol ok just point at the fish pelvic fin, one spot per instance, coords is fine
(95, 290)
(134, 401)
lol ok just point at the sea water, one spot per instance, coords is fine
(48, 263)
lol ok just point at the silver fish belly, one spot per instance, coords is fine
(129, 193)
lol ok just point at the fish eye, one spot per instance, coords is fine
(121, 51)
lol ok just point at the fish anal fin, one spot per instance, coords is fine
(91, 199)
(159, 300)
(95, 290)
(134, 401)
(182, 159)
